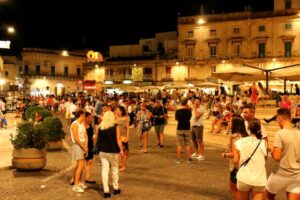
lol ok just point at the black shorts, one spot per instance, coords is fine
(233, 174)
(96, 121)
(125, 146)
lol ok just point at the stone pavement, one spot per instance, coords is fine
(154, 175)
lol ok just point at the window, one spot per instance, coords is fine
(213, 69)
(66, 71)
(190, 51)
(288, 4)
(78, 72)
(190, 34)
(6, 74)
(146, 48)
(236, 30)
(26, 69)
(288, 49)
(288, 26)
(261, 28)
(20, 68)
(213, 32)
(52, 70)
(147, 70)
(109, 72)
(38, 69)
(237, 49)
(261, 50)
(213, 51)
(168, 72)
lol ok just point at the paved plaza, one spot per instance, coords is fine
(154, 175)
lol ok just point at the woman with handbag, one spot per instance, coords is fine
(250, 155)
(238, 131)
(144, 126)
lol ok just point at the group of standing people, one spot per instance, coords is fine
(109, 140)
(248, 151)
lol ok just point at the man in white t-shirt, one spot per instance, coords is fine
(197, 130)
(286, 151)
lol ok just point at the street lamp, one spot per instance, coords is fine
(11, 30)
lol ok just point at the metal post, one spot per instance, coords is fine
(284, 86)
(267, 81)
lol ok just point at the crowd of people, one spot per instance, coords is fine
(101, 125)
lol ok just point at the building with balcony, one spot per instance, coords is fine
(52, 72)
(10, 73)
(211, 43)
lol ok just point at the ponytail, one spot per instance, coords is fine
(255, 128)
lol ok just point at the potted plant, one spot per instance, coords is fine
(31, 110)
(29, 147)
(54, 132)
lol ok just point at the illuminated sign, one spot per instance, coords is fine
(4, 44)
(89, 85)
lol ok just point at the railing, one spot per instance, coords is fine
(40, 75)
(237, 16)
(127, 77)
(147, 76)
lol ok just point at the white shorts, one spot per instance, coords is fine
(277, 183)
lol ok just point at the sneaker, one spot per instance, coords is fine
(200, 157)
(82, 185)
(194, 155)
(78, 189)
(177, 161)
(189, 160)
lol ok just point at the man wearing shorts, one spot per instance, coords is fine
(183, 116)
(197, 130)
(286, 150)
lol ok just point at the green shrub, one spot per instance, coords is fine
(29, 136)
(31, 110)
(54, 129)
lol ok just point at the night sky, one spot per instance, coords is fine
(96, 24)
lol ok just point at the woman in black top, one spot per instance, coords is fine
(90, 155)
(110, 145)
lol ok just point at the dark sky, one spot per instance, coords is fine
(96, 24)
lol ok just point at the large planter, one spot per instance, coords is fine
(55, 145)
(29, 159)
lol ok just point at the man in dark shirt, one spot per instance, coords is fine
(183, 116)
(297, 89)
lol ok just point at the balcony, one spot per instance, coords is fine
(127, 77)
(56, 76)
(147, 77)
(167, 78)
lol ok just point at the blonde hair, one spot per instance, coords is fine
(108, 120)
